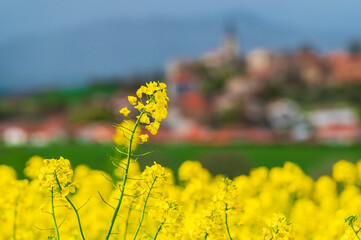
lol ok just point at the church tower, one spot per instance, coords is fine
(230, 44)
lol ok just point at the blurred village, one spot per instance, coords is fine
(219, 97)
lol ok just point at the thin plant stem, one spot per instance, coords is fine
(143, 210)
(158, 230)
(122, 189)
(271, 233)
(53, 214)
(356, 232)
(226, 220)
(74, 208)
(127, 219)
(77, 216)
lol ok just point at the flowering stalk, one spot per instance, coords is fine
(158, 230)
(122, 189)
(77, 216)
(143, 210)
(53, 214)
(226, 220)
(127, 219)
(55, 176)
(356, 232)
(72, 205)
(151, 114)
(350, 221)
(279, 227)
(224, 200)
(168, 214)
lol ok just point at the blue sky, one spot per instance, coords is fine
(24, 17)
(49, 42)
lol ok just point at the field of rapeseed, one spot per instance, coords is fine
(57, 202)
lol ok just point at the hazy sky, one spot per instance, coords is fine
(47, 42)
(26, 17)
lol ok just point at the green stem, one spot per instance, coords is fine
(77, 216)
(122, 189)
(72, 205)
(355, 232)
(143, 210)
(127, 219)
(53, 214)
(226, 220)
(158, 230)
(271, 233)
(205, 237)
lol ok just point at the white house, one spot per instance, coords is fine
(335, 124)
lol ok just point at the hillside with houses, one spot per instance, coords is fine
(220, 96)
(267, 96)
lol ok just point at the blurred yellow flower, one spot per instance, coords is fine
(124, 111)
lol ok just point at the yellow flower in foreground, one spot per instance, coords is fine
(167, 213)
(155, 172)
(279, 228)
(56, 175)
(200, 207)
(345, 172)
(33, 166)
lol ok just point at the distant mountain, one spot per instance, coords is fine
(120, 47)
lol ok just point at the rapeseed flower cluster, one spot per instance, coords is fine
(258, 205)
(151, 102)
(56, 175)
(281, 203)
(169, 216)
(279, 228)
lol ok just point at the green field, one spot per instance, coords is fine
(232, 160)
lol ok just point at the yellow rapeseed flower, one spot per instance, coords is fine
(144, 137)
(124, 111)
(132, 100)
(56, 175)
